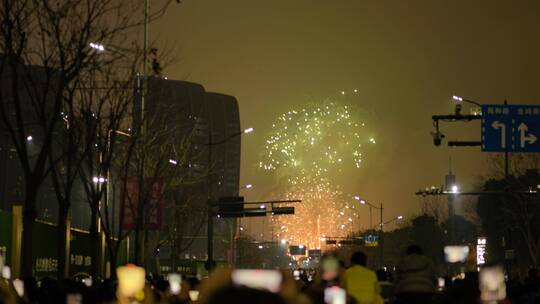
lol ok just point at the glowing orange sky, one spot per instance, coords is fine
(406, 58)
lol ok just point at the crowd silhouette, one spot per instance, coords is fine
(414, 280)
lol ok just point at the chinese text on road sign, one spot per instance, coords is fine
(512, 128)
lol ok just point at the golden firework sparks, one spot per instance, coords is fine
(307, 148)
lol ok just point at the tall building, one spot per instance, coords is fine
(208, 126)
(225, 124)
(12, 187)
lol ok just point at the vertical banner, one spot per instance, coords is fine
(154, 205)
(131, 200)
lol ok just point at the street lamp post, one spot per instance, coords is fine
(108, 180)
(210, 220)
(461, 99)
(397, 218)
(101, 181)
(234, 243)
(364, 202)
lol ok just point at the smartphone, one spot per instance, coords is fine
(175, 281)
(492, 285)
(18, 284)
(456, 254)
(6, 272)
(131, 279)
(258, 279)
(194, 295)
(335, 295)
(441, 282)
(329, 269)
(87, 281)
(296, 275)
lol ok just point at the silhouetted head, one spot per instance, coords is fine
(359, 258)
(244, 295)
(414, 249)
(381, 275)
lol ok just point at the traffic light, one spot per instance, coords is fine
(231, 206)
(282, 210)
(297, 250)
(250, 212)
(315, 253)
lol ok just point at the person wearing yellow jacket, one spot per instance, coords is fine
(360, 282)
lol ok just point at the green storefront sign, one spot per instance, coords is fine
(80, 258)
(45, 245)
(185, 267)
(188, 267)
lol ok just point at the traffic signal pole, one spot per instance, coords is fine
(381, 238)
(237, 213)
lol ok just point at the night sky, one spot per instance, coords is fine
(405, 58)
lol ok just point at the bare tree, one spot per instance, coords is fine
(514, 215)
(518, 164)
(143, 173)
(184, 202)
(435, 206)
(46, 47)
(105, 116)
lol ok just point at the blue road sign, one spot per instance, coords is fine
(512, 128)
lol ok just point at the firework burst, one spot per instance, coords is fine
(308, 149)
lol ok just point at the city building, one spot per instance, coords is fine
(208, 125)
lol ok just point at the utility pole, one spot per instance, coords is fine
(450, 183)
(370, 217)
(210, 203)
(370, 205)
(319, 229)
(381, 238)
(210, 216)
(238, 204)
(140, 239)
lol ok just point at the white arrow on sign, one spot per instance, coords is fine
(498, 125)
(531, 139)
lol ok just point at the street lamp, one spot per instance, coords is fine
(210, 221)
(107, 181)
(364, 202)
(239, 225)
(97, 46)
(98, 179)
(397, 218)
(461, 99)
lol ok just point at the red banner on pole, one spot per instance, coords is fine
(154, 207)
